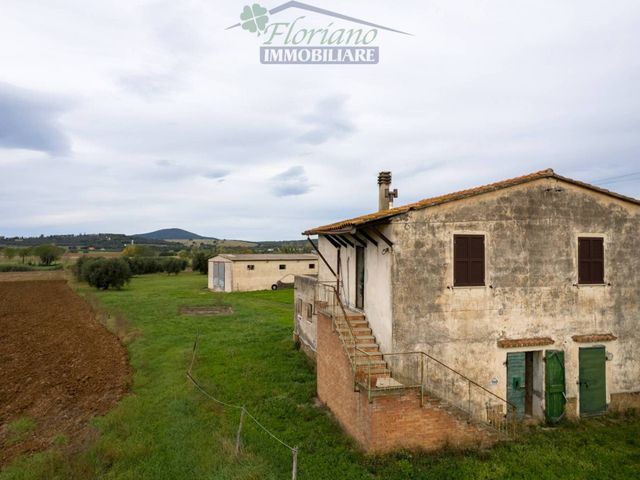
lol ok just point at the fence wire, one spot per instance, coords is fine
(244, 411)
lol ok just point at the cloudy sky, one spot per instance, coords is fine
(131, 116)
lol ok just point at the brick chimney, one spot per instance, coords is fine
(385, 194)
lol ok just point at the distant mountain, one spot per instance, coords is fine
(172, 234)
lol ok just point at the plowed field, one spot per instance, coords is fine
(59, 366)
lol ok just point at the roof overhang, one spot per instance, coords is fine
(350, 225)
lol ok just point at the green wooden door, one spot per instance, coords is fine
(593, 389)
(515, 381)
(554, 385)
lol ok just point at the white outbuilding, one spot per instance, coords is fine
(246, 272)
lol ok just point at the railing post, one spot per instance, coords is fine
(469, 384)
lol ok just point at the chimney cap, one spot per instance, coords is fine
(384, 178)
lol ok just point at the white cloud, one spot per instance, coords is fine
(161, 103)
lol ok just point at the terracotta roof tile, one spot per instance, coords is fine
(450, 197)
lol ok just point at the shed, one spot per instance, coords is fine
(246, 272)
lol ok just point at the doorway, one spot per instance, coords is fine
(360, 277)
(524, 383)
(592, 379)
(218, 276)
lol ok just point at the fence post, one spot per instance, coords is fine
(294, 471)
(238, 440)
(421, 379)
(193, 352)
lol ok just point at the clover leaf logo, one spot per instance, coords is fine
(254, 18)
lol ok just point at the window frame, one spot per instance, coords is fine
(468, 284)
(251, 267)
(282, 266)
(312, 266)
(590, 237)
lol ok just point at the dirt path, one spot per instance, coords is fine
(58, 366)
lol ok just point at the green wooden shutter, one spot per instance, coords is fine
(515, 381)
(554, 385)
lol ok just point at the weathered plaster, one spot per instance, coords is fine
(531, 234)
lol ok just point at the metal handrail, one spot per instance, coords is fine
(420, 352)
(352, 350)
(449, 384)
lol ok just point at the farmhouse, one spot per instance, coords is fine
(446, 320)
(245, 272)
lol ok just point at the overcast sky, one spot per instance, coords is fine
(132, 116)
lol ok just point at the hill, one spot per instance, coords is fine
(172, 234)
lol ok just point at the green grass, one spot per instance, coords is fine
(166, 429)
(19, 429)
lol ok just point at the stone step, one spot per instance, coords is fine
(369, 355)
(365, 362)
(365, 339)
(357, 332)
(358, 323)
(375, 372)
(368, 347)
(351, 315)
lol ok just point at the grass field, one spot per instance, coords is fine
(166, 429)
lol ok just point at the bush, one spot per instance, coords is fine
(104, 273)
(16, 268)
(47, 253)
(144, 265)
(80, 266)
(174, 265)
(139, 251)
(200, 263)
(9, 253)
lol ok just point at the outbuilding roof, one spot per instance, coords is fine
(450, 197)
(265, 257)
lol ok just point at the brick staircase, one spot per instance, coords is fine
(371, 369)
(379, 411)
(403, 399)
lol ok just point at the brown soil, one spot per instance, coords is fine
(58, 365)
(31, 276)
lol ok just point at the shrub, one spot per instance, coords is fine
(9, 253)
(104, 273)
(139, 251)
(48, 253)
(79, 267)
(144, 265)
(200, 263)
(174, 265)
(16, 268)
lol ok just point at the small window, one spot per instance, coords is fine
(251, 267)
(468, 263)
(312, 266)
(283, 267)
(590, 260)
(309, 311)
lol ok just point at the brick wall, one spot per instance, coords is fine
(392, 421)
